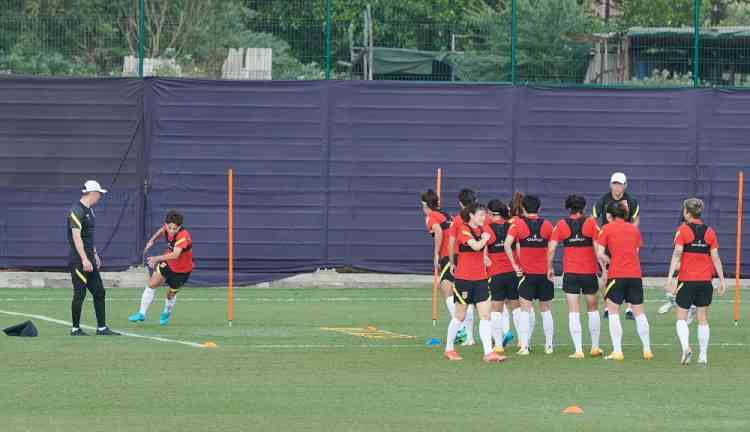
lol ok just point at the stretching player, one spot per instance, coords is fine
(625, 283)
(465, 198)
(471, 281)
(503, 280)
(696, 255)
(533, 233)
(173, 267)
(578, 234)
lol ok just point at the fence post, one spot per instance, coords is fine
(141, 35)
(513, 40)
(696, 42)
(329, 41)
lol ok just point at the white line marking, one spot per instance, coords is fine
(133, 335)
(337, 346)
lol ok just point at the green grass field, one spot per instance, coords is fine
(276, 369)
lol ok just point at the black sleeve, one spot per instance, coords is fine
(598, 212)
(635, 208)
(75, 218)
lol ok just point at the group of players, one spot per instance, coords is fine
(497, 260)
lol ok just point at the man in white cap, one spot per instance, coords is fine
(84, 260)
(618, 185)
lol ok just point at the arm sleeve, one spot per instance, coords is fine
(603, 237)
(635, 209)
(679, 238)
(183, 240)
(590, 229)
(711, 239)
(74, 220)
(546, 231)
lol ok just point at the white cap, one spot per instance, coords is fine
(93, 186)
(619, 177)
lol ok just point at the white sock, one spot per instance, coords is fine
(549, 327)
(146, 298)
(497, 328)
(453, 327)
(516, 316)
(532, 324)
(595, 328)
(641, 324)
(574, 323)
(615, 332)
(451, 306)
(469, 322)
(505, 321)
(704, 333)
(485, 334)
(523, 328)
(169, 304)
(683, 333)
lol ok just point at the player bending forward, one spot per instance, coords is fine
(172, 267)
(624, 283)
(696, 255)
(471, 281)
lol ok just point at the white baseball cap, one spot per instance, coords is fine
(93, 186)
(619, 177)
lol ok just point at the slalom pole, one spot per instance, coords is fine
(435, 271)
(230, 246)
(738, 257)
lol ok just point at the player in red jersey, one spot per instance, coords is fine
(465, 198)
(438, 223)
(471, 286)
(173, 267)
(624, 283)
(532, 233)
(503, 279)
(577, 234)
(696, 255)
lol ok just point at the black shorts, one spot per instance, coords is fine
(504, 286)
(470, 292)
(445, 269)
(629, 290)
(86, 280)
(536, 287)
(697, 294)
(174, 280)
(575, 283)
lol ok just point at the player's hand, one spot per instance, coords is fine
(551, 275)
(722, 287)
(98, 261)
(669, 286)
(485, 236)
(453, 268)
(436, 262)
(518, 270)
(87, 266)
(151, 262)
(149, 245)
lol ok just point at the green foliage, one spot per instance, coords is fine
(285, 65)
(736, 14)
(660, 13)
(664, 78)
(29, 57)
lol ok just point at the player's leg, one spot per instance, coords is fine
(634, 295)
(175, 281)
(496, 320)
(96, 287)
(526, 298)
(683, 335)
(545, 295)
(79, 279)
(629, 311)
(574, 324)
(149, 292)
(469, 325)
(446, 284)
(456, 322)
(484, 309)
(595, 324)
(613, 297)
(703, 298)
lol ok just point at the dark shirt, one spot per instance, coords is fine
(81, 218)
(600, 209)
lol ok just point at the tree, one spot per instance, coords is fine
(660, 13)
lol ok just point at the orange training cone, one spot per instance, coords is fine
(573, 409)
(209, 344)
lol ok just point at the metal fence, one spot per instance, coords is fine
(657, 43)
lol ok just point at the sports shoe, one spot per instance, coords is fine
(460, 336)
(549, 349)
(686, 356)
(106, 332)
(523, 352)
(452, 356)
(498, 349)
(469, 342)
(666, 307)
(692, 312)
(605, 315)
(137, 317)
(596, 352)
(577, 355)
(648, 355)
(493, 357)
(164, 318)
(615, 356)
(703, 361)
(629, 315)
(78, 332)
(507, 338)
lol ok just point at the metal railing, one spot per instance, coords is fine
(629, 43)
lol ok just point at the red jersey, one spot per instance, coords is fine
(437, 217)
(698, 241)
(532, 233)
(496, 250)
(623, 240)
(182, 240)
(578, 236)
(470, 265)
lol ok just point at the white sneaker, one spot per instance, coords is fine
(549, 349)
(666, 307)
(469, 342)
(692, 312)
(703, 360)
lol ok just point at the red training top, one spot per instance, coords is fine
(500, 262)
(183, 240)
(470, 265)
(696, 267)
(582, 259)
(623, 240)
(437, 218)
(533, 259)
